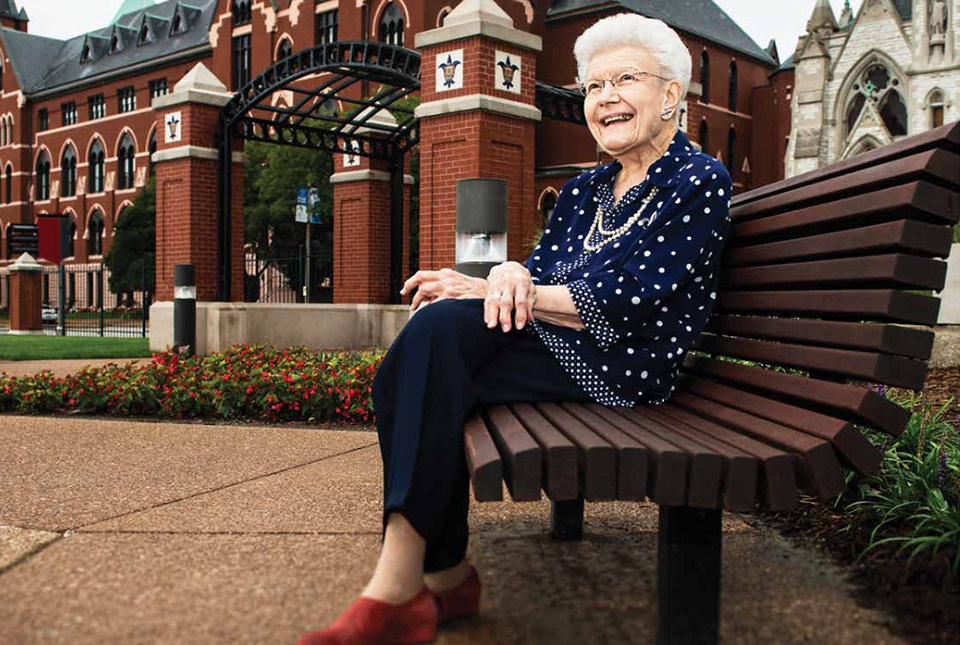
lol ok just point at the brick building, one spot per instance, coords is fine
(77, 129)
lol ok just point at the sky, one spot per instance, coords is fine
(66, 18)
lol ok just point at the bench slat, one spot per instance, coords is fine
(893, 270)
(778, 486)
(521, 454)
(705, 465)
(483, 461)
(902, 235)
(936, 166)
(596, 459)
(738, 469)
(918, 200)
(848, 401)
(872, 304)
(880, 337)
(869, 366)
(559, 470)
(817, 456)
(946, 137)
(631, 455)
(862, 455)
(666, 463)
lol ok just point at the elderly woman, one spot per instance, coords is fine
(604, 308)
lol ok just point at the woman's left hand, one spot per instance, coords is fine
(445, 283)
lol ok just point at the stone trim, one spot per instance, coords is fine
(350, 176)
(204, 97)
(478, 102)
(195, 152)
(478, 28)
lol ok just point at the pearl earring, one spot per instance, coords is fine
(666, 114)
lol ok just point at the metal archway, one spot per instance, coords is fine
(396, 69)
(309, 124)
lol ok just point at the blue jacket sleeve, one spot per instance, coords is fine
(683, 244)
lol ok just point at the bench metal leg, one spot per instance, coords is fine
(689, 575)
(566, 519)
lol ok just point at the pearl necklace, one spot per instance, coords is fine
(617, 232)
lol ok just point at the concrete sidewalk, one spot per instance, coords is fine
(120, 532)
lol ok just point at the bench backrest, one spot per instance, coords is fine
(823, 276)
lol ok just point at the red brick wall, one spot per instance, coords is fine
(25, 300)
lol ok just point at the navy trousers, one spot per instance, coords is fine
(443, 364)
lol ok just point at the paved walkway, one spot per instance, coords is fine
(61, 367)
(120, 532)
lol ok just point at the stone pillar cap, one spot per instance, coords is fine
(471, 10)
(199, 85)
(381, 116)
(25, 263)
(199, 78)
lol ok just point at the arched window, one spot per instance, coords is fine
(877, 84)
(703, 137)
(10, 130)
(285, 49)
(95, 164)
(95, 233)
(391, 25)
(8, 185)
(732, 151)
(126, 163)
(547, 204)
(705, 76)
(240, 10)
(732, 97)
(68, 172)
(114, 44)
(177, 25)
(937, 109)
(71, 249)
(3, 131)
(42, 172)
(152, 148)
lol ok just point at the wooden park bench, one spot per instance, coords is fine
(822, 287)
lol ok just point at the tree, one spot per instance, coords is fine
(132, 256)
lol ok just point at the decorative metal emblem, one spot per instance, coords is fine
(508, 74)
(451, 76)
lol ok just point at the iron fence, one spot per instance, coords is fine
(283, 279)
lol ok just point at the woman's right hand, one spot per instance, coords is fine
(509, 287)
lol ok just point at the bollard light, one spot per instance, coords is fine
(185, 308)
(481, 225)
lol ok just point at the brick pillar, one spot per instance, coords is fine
(26, 296)
(361, 224)
(187, 170)
(477, 119)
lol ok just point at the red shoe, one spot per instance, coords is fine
(374, 622)
(462, 601)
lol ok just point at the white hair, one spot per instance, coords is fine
(660, 41)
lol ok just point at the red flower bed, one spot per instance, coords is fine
(244, 382)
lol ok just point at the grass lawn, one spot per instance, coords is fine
(34, 348)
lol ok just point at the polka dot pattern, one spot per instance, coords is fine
(645, 297)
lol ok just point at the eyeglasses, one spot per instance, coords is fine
(593, 88)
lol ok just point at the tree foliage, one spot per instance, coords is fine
(132, 256)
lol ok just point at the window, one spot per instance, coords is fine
(240, 10)
(703, 137)
(114, 44)
(68, 173)
(285, 49)
(391, 25)
(68, 113)
(95, 234)
(144, 34)
(893, 111)
(877, 84)
(43, 177)
(705, 77)
(95, 164)
(98, 106)
(158, 87)
(126, 163)
(326, 27)
(732, 151)
(732, 99)
(937, 108)
(127, 99)
(152, 148)
(8, 187)
(43, 120)
(241, 61)
(1, 77)
(85, 54)
(177, 26)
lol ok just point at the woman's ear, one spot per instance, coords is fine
(671, 99)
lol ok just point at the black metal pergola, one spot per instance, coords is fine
(311, 123)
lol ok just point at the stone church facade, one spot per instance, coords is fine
(866, 80)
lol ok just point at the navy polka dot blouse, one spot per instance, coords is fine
(644, 297)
